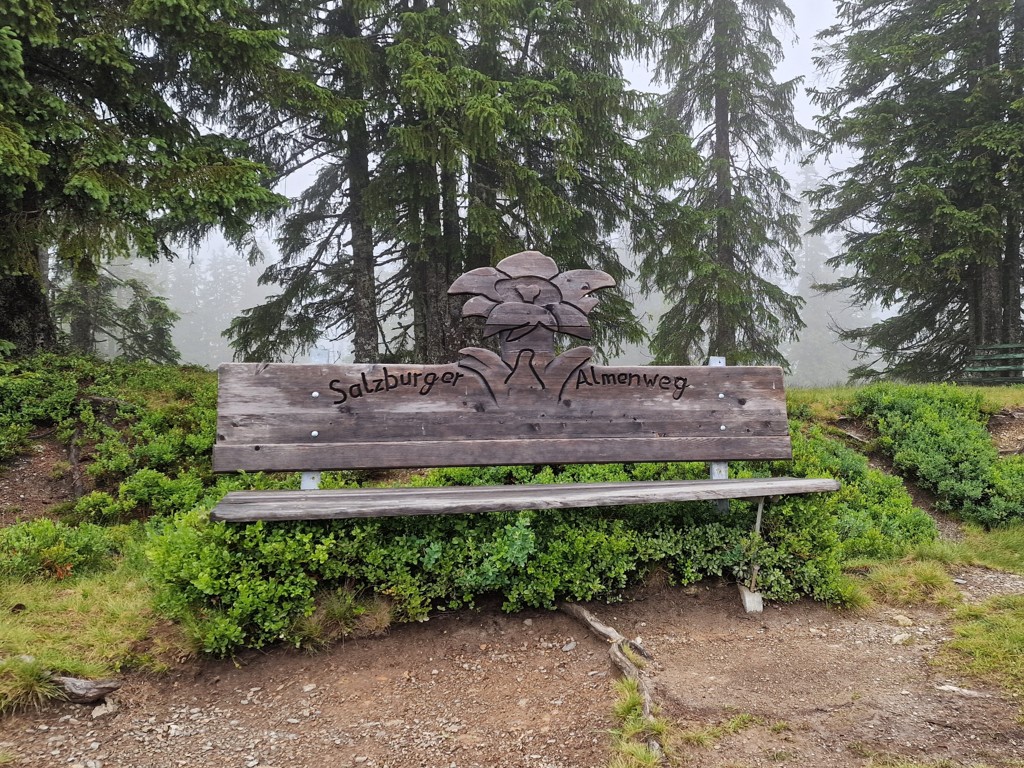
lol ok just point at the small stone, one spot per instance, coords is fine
(528, 622)
(570, 646)
(902, 621)
(309, 687)
(360, 759)
(962, 691)
(107, 708)
(901, 638)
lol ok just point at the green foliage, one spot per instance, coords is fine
(256, 584)
(43, 548)
(927, 96)
(937, 434)
(719, 274)
(146, 430)
(875, 516)
(12, 439)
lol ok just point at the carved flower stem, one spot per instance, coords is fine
(540, 341)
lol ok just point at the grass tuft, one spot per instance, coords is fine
(634, 755)
(988, 642)
(709, 735)
(911, 582)
(25, 684)
(1001, 548)
(630, 739)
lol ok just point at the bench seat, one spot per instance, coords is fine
(247, 506)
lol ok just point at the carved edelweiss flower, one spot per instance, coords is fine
(526, 291)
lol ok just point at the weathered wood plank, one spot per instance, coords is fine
(470, 453)
(241, 506)
(329, 407)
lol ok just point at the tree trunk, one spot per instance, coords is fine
(364, 284)
(25, 317)
(723, 341)
(452, 260)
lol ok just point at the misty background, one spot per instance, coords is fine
(209, 286)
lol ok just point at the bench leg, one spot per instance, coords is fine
(751, 598)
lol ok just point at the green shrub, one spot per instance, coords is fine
(937, 434)
(250, 585)
(43, 548)
(13, 439)
(147, 430)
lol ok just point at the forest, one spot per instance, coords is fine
(389, 146)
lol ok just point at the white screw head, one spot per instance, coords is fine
(314, 433)
(721, 396)
(316, 394)
(722, 427)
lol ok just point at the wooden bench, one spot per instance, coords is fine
(994, 365)
(525, 404)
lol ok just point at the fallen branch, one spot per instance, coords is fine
(620, 650)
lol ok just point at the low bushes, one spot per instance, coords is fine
(250, 585)
(937, 434)
(43, 548)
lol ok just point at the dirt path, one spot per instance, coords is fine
(824, 688)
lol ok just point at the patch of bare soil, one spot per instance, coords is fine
(827, 688)
(34, 482)
(1007, 430)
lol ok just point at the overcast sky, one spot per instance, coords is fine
(811, 16)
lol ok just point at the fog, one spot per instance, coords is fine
(216, 283)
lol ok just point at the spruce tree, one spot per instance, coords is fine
(100, 143)
(488, 128)
(927, 95)
(720, 275)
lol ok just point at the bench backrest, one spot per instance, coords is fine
(523, 405)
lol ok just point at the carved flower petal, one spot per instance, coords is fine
(571, 320)
(585, 304)
(577, 283)
(507, 316)
(478, 306)
(480, 281)
(528, 264)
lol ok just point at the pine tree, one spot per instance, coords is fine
(819, 357)
(483, 129)
(100, 147)
(121, 310)
(927, 94)
(720, 277)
